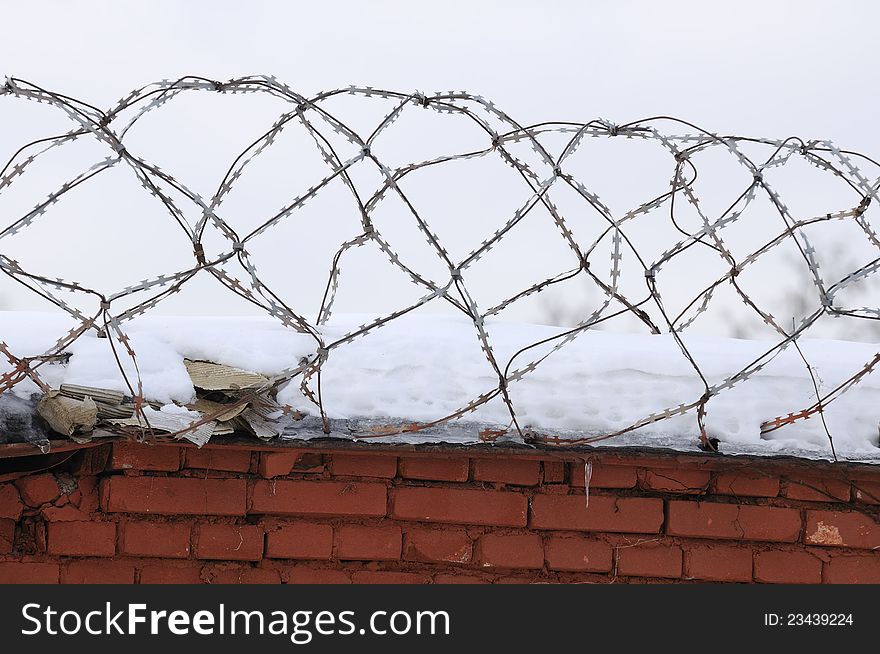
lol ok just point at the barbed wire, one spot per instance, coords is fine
(540, 178)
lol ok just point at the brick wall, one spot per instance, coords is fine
(131, 512)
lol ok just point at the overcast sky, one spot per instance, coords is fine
(746, 66)
(753, 68)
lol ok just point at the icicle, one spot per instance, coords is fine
(588, 475)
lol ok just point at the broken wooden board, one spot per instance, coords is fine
(211, 408)
(169, 423)
(111, 398)
(67, 415)
(258, 425)
(88, 437)
(200, 435)
(266, 408)
(110, 403)
(117, 411)
(217, 377)
(223, 429)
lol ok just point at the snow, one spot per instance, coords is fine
(424, 367)
(161, 368)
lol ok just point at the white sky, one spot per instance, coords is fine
(753, 68)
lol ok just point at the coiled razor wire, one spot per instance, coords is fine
(311, 114)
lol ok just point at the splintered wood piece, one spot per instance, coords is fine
(223, 429)
(211, 408)
(200, 435)
(217, 377)
(258, 425)
(111, 411)
(267, 408)
(102, 395)
(66, 415)
(156, 420)
(170, 423)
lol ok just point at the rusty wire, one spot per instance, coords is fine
(322, 126)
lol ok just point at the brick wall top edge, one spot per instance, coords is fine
(623, 456)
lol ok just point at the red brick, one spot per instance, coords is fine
(618, 514)
(82, 538)
(37, 490)
(88, 489)
(229, 542)
(518, 580)
(217, 458)
(365, 543)
(715, 520)
(649, 559)
(852, 570)
(745, 485)
(719, 563)
(159, 539)
(175, 495)
(473, 507)
(813, 489)
(437, 546)
(554, 472)
(604, 476)
(277, 464)
(434, 468)
(63, 514)
(388, 577)
(770, 523)
(575, 554)
(97, 572)
(10, 502)
(326, 498)
(309, 462)
(782, 567)
(448, 579)
(170, 573)
(7, 535)
(240, 575)
(144, 456)
(300, 540)
(555, 489)
(668, 480)
(363, 465)
(304, 575)
(517, 472)
(22, 572)
(867, 492)
(510, 551)
(842, 529)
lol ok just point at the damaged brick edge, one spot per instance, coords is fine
(753, 466)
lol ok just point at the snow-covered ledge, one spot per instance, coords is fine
(419, 369)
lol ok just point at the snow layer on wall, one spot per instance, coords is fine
(424, 367)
